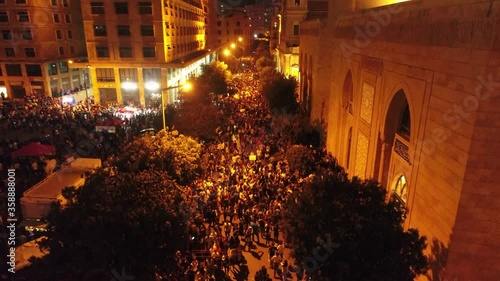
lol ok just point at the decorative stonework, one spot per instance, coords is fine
(367, 94)
(361, 155)
(402, 150)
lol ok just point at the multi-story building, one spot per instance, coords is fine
(231, 28)
(138, 49)
(38, 39)
(293, 12)
(258, 16)
(410, 94)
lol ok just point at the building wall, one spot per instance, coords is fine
(41, 35)
(165, 36)
(230, 28)
(418, 53)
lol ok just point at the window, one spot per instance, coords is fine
(33, 70)
(400, 191)
(6, 34)
(105, 74)
(26, 34)
(54, 2)
(56, 18)
(297, 2)
(70, 34)
(4, 16)
(125, 52)
(13, 70)
(72, 50)
(149, 52)
(61, 51)
(121, 8)
(10, 52)
(23, 16)
(147, 30)
(405, 126)
(20, 1)
(100, 30)
(218, 23)
(65, 3)
(145, 8)
(67, 18)
(296, 30)
(128, 74)
(29, 52)
(102, 52)
(52, 69)
(58, 34)
(124, 30)
(63, 67)
(97, 8)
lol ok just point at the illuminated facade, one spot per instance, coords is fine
(38, 38)
(229, 28)
(136, 48)
(410, 96)
(293, 12)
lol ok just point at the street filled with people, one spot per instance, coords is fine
(237, 200)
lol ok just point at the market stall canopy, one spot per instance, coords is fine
(111, 122)
(33, 149)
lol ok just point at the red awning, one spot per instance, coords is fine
(33, 149)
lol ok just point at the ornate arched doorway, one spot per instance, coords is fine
(347, 115)
(396, 143)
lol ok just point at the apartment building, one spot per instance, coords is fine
(232, 28)
(138, 50)
(38, 37)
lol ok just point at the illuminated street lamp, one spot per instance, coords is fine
(240, 39)
(186, 87)
(227, 52)
(233, 45)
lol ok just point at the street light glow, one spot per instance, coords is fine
(187, 86)
(240, 39)
(129, 86)
(233, 45)
(227, 52)
(152, 85)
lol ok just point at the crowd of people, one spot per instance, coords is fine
(239, 199)
(71, 129)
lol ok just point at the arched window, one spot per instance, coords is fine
(349, 141)
(400, 190)
(405, 125)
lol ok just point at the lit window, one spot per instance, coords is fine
(100, 30)
(400, 191)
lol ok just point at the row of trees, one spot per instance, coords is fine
(132, 216)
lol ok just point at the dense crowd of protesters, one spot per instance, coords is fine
(238, 200)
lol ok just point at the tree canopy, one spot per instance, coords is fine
(215, 78)
(198, 119)
(279, 92)
(343, 229)
(169, 151)
(116, 221)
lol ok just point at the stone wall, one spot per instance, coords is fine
(435, 56)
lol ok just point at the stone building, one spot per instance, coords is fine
(123, 37)
(292, 14)
(38, 37)
(410, 93)
(231, 28)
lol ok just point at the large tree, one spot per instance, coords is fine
(343, 229)
(197, 118)
(122, 222)
(215, 78)
(177, 154)
(279, 92)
